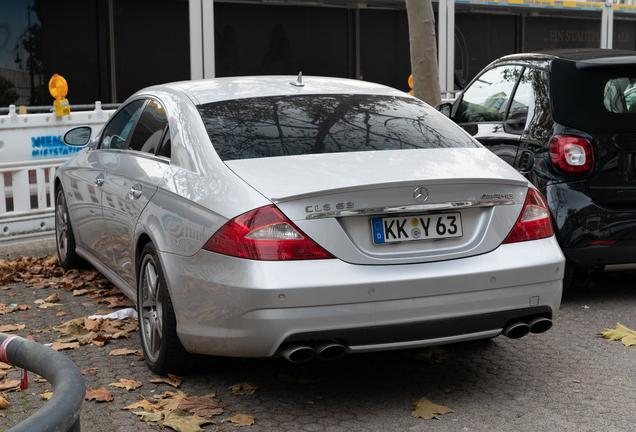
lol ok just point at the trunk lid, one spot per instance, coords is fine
(336, 198)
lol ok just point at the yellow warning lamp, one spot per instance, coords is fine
(411, 83)
(58, 89)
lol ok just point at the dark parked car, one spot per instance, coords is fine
(567, 121)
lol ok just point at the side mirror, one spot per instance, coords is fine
(78, 137)
(445, 109)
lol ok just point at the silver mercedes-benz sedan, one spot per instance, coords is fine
(267, 216)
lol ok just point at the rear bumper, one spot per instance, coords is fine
(579, 221)
(234, 307)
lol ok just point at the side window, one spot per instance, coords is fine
(166, 146)
(487, 98)
(147, 135)
(117, 130)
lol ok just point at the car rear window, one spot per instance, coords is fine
(312, 124)
(595, 99)
(620, 95)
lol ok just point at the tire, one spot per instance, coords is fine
(157, 322)
(571, 273)
(64, 237)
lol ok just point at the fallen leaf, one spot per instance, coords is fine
(178, 421)
(173, 380)
(585, 307)
(429, 410)
(145, 404)
(622, 333)
(241, 420)
(31, 337)
(5, 366)
(124, 351)
(11, 327)
(9, 385)
(204, 406)
(4, 404)
(127, 384)
(170, 400)
(89, 370)
(60, 314)
(100, 395)
(47, 305)
(243, 389)
(47, 395)
(150, 416)
(57, 346)
(53, 298)
(432, 355)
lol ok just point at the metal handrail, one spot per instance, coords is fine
(49, 108)
(62, 411)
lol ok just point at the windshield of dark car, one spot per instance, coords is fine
(311, 124)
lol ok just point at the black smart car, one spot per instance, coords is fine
(567, 121)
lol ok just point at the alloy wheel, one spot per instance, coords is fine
(61, 225)
(151, 309)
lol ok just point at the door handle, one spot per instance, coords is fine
(135, 191)
(99, 180)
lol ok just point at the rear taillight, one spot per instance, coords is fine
(571, 154)
(264, 234)
(534, 222)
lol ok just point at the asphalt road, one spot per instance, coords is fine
(568, 379)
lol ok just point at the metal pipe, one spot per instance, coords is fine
(297, 352)
(516, 329)
(327, 350)
(539, 324)
(62, 411)
(49, 108)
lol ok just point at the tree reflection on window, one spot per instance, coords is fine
(311, 124)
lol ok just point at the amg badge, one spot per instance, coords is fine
(507, 196)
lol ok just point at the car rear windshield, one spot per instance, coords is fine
(312, 124)
(599, 99)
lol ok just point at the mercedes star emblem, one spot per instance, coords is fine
(420, 194)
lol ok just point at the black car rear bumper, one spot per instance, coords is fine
(581, 224)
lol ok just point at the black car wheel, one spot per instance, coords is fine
(64, 237)
(158, 325)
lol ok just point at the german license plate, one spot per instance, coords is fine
(411, 228)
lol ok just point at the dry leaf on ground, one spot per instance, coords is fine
(178, 421)
(429, 410)
(11, 327)
(4, 404)
(57, 346)
(241, 420)
(203, 406)
(244, 388)
(9, 385)
(99, 394)
(89, 370)
(47, 395)
(622, 333)
(145, 404)
(124, 351)
(127, 384)
(173, 380)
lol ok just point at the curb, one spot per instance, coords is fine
(32, 247)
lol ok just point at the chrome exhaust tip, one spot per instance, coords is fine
(327, 350)
(297, 353)
(539, 324)
(516, 329)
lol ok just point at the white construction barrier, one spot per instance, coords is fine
(30, 151)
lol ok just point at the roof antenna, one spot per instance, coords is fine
(299, 81)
